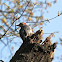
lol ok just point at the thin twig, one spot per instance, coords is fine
(15, 20)
(46, 20)
(3, 42)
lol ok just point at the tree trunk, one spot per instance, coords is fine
(32, 51)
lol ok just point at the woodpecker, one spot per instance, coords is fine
(25, 31)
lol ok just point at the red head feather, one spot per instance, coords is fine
(24, 23)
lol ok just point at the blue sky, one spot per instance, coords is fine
(54, 26)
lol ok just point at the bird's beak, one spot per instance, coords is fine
(17, 25)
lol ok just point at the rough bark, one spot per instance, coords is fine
(32, 51)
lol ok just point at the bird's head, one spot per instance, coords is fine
(21, 24)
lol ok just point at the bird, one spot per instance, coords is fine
(25, 31)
